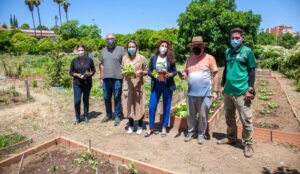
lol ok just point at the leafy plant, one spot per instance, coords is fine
(128, 70)
(155, 74)
(132, 170)
(263, 97)
(87, 157)
(272, 105)
(162, 67)
(7, 140)
(181, 110)
(34, 83)
(265, 91)
(265, 110)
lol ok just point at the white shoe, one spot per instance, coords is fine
(130, 130)
(139, 130)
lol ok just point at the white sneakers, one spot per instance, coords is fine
(138, 131)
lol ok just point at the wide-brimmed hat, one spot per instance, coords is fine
(197, 40)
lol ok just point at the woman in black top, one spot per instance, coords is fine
(82, 69)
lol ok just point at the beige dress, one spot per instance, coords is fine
(133, 98)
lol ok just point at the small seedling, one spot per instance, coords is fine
(88, 157)
(265, 110)
(273, 105)
(131, 168)
(263, 97)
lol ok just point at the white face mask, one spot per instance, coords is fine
(80, 53)
(163, 50)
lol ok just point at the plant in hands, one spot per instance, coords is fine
(128, 70)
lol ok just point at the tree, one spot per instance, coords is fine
(13, 22)
(4, 41)
(23, 43)
(142, 37)
(59, 4)
(4, 25)
(92, 30)
(213, 19)
(66, 5)
(264, 38)
(37, 3)
(25, 26)
(45, 45)
(92, 44)
(123, 39)
(42, 27)
(288, 41)
(30, 5)
(169, 34)
(69, 45)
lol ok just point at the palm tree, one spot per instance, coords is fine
(59, 4)
(30, 4)
(37, 3)
(66, 5)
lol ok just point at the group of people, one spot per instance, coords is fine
(127, 89)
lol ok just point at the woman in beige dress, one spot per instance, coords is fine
(133, 87)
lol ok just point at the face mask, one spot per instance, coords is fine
(131, 50)
(80, 53)
(111, 42)
(196, 50)
(163, 50)
(235, 43)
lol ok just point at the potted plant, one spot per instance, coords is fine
(161, 72)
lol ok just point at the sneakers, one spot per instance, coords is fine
(200, 139)
(105, 119)
(226, 141)
(86, 119)
(117, 121)
(248, 151)
(77, 121)
(189, 137)
(139, 130)
(130, 130)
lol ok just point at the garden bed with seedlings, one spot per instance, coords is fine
(271, 109)
(62, 155)
(10, 97)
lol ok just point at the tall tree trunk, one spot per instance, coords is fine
(33, 23)
(67, 17)
(38, 9)
(59, 14)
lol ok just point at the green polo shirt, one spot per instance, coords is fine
(237, 64)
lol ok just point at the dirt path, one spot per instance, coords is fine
(290, 90)
(52, 115)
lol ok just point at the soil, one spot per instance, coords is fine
(281, 118)
(52, 115)
(59, 159)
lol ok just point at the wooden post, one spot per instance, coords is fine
(90, 144)
(27, 89)
(20, 165)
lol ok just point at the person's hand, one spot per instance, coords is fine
(139, 73)
(214, 96)
(168, 75)
(222, 90)
(248, 96)
(182, 76)
(90, 73)
(81, 76)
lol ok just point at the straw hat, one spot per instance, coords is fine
(197, 40)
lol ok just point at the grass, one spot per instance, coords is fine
(7, 140)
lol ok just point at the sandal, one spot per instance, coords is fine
(147, 134)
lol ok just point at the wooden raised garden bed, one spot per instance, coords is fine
(62, 155)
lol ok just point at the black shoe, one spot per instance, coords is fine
(117, 121)
(105, 119)
(86, 119)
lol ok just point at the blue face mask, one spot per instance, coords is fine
(131, 50)
(235, 43)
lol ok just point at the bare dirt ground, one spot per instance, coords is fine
(281, 118)
(52, 115)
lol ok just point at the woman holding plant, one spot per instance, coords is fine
(82, 69)
(134, 68)
(162, 70)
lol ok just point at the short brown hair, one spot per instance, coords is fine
(237, 30)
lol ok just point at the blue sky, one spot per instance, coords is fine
(121, 16)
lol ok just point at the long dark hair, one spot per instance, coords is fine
(170, 53)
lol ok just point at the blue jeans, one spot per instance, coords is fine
(112, 87)
(80, 89)
(160, 88)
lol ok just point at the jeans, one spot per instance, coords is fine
(112, 87)
(160, 88)
(80, 89)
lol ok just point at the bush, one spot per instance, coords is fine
(23, 43)
(45, 45)
(34, 84)
(69, 45)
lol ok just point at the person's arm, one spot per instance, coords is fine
(224, 76)
(174, 69)
(93, 69)
(251, 73)
(72, 70)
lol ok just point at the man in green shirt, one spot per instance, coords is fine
(237, 88)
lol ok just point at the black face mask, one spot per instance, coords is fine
(196, 50)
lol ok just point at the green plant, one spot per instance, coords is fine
(263, 97)
(265, 91)
(155, 74)
(87, 157)
(265, 125)
(181, 110)
(7, 140)
(272, 105)
(265, 110)
(128, 69)
(34, 83)
(132, 170)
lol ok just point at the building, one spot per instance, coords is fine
(45, 33)
(280, 30)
